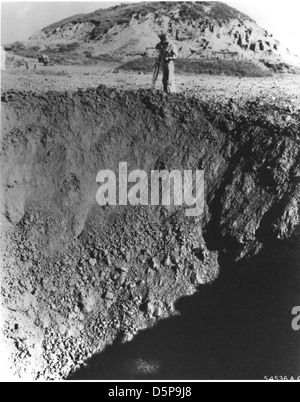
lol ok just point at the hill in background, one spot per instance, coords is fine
(211, 29)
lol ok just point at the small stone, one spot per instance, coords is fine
(124, 269)
(167, 261)
(155, 263)
(194, 279)
(158, 312)
(109, 295)
(103, 275)
(81, 317)
(202, 280)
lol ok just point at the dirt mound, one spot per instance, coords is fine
(78, 276)
(213, 30)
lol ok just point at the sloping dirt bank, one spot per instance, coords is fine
(77, 276)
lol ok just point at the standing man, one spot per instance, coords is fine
(167, 54)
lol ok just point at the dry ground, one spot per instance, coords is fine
(70, 78)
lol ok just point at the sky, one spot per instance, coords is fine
(19, 20)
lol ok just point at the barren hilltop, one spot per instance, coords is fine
(211, 29)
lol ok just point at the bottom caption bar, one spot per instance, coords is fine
(144, 390)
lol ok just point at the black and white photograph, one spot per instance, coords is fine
(150, 194)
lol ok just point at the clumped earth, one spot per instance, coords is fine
(77, 276)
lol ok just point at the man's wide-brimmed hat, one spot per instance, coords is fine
(163, 35)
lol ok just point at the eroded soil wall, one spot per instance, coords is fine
(77, 276)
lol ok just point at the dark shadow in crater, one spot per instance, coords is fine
(237, 328)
